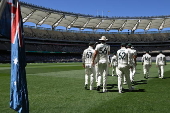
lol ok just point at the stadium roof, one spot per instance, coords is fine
(40, 15)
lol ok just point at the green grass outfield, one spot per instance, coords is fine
(59, 88)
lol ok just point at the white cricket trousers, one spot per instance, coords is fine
(161, 71)
(96, 71)
(102, 73)
(114, 70)
(89, 72)
(132, 73)
(146, 68)
(123, 71)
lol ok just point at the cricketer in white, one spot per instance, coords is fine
(160, 63)
(124, 63)
(102, 50)
(87, 64)
(147, 63)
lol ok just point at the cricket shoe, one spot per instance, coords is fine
(121, 92)
(131, 89)
(104, 90)
(98, 88)
(91, 88)
(85, 87)
(133, 82)
(124, 83)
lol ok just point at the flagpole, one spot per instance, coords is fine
(108, 13)
(102, 14)
(97, 12)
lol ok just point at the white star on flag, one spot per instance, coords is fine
(15, 61)
(15, 83)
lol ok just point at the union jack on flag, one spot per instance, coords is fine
(15, 21)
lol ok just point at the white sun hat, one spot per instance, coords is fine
(103, 38)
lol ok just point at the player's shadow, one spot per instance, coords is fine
(140, 82)
(153, 77)
(135, 90)
(158, 77)
(127, 90)
(110, 86)
(166, 77)
(113, 90)
(109, 75)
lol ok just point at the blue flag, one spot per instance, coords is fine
(18, 85)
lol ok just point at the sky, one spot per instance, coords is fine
(109, 8)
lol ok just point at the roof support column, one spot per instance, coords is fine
(58, 21)
(42, 21)
(121, 28)
(69, 26)
(148, 26)
(161, 26)
(28, 16)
